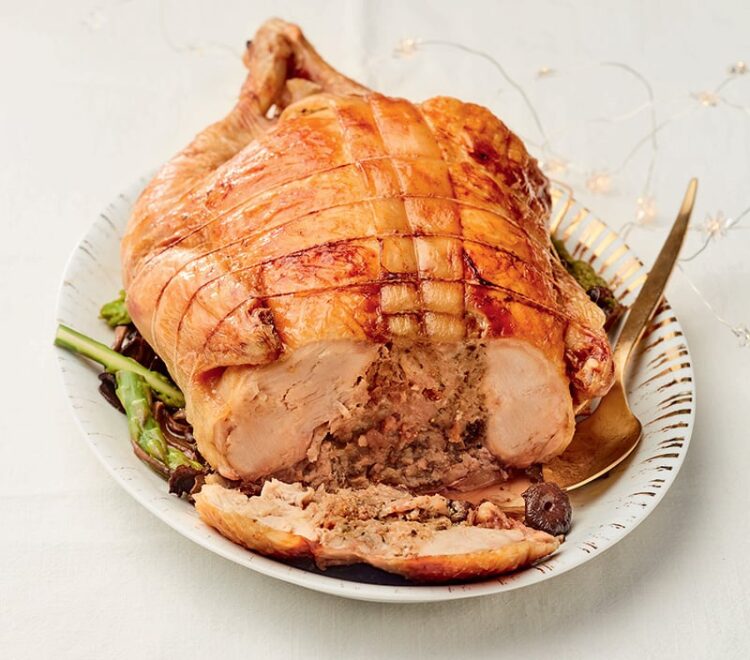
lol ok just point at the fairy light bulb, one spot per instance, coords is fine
(406, 47)
(715, 226)
(554, 166)
(742, 332)
(707, 99)
(645, 212)
(599, 182)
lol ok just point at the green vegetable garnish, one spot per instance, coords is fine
(115, 312)
(113, 362)
(135, 396)
(593, 284)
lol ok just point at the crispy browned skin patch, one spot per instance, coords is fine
(449, 568)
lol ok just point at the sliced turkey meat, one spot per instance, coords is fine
(426, 538)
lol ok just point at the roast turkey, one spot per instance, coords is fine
(357, 294)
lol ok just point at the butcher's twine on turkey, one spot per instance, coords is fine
(358, 298)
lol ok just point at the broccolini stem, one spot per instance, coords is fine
(113, 362)
(175, 458)
(144, 430)
(135, 396)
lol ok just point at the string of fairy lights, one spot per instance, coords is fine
(715, 226)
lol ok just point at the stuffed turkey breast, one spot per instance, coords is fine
(353, 290)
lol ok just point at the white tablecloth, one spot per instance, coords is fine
(97, 93)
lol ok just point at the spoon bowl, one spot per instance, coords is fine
(612, 432)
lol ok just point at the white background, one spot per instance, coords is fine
(95, 94)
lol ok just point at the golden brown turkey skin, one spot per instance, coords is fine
(269, 262)
(358, 298)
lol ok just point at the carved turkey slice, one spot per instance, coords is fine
(427, 538)
(353, 289)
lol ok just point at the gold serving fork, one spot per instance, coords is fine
(607, 437)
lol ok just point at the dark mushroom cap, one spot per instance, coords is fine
(548, 508)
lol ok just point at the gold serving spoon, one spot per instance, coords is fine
(612, 432)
